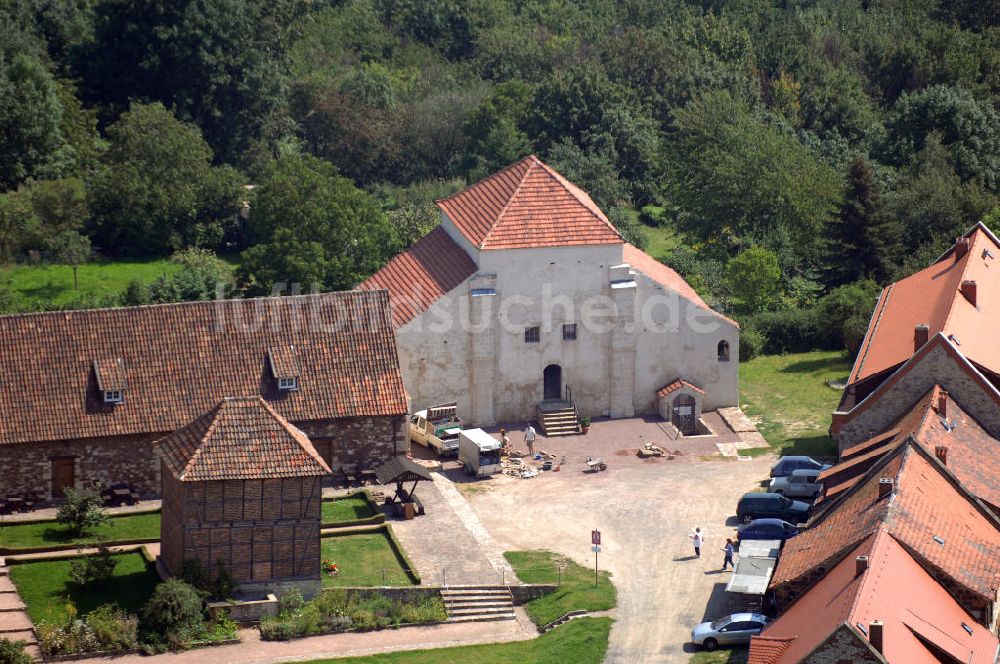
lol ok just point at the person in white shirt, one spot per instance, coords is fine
(698, 539)
(529, 439)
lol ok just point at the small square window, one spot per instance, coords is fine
(288, 384)
(569, 332)
(113, 396)
(532, 335)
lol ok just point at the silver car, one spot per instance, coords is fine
(801, 483)
(730, 630)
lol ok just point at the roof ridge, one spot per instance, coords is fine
(212, 417)
(873, 322)
(487, 178)
(573, 190)
(961, 278)
(520, 183)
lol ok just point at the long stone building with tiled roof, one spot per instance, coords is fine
(84, 394)
(526, 294)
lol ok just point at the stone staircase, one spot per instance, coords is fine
(14, 622)
(559, 419)
(478, 603)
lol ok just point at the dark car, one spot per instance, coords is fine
(787, 464)
(766, 529)
(757, 505)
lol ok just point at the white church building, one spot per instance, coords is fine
(526, 300)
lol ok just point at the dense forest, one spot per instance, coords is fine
(796, 153)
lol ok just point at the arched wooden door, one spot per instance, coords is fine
(552, 382)
(684, 415)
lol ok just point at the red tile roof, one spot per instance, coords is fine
(933, 297)
(421, 275)
(675, 385)
(182, 359)
(665, 276)
(894, 589)
(242, 438)
(111, 374)
(926, 503)
(528, 205)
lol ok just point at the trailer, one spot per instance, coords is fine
(479, 453)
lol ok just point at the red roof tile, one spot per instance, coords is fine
(894, 589)
(111, 374)
(665, 276)
(242, 438)
(183, 358)
(528, 205)
(675, 385)
(421, 275)
(933, 297)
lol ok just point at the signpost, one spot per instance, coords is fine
(595, 540)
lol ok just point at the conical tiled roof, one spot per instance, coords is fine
(242, 438)
(528, 205)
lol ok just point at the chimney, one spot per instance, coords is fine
(942, 404)
(968, 289)
(961, 247)
(861, 564)
(921, 333)
(941, 452)
(875, 635)
(884, 487)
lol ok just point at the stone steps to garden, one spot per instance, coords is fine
(10, 602)
(478, 603)
(13, 622)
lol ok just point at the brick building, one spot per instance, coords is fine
(84, 394)
(242, 489)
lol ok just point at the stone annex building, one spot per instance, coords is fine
(242, 488)
(85, 394)
(526, 289)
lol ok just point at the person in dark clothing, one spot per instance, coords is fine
(729, 554)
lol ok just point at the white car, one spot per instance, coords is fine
(728, 631)
(802, 483)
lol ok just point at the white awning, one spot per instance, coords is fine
(755, 566)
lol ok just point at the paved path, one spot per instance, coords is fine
(451, 537)
(252, 650)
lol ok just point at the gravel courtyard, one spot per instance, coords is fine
(645, 510)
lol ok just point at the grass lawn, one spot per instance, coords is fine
(364, 559)
(581, 641)
(45, 587)
(53, 284)
(350, 508)
(576, 592)
(136, 526)
(734, 656)
(661, 240)
(790, 396)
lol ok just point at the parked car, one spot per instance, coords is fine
(756, 505)
(787, 464)
(729, 630)
(437, 428)
(766, 529)
(802, 483)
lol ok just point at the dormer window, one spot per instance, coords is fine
(284, 363)
(111, 380)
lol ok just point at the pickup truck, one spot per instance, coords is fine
(438, 428)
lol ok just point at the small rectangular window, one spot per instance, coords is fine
(532, 335)
(569, 332)
(288, 384)
(113, 396)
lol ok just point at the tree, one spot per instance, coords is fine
(30, 116)
(81, 510)
(174, 611)
(18, 224)
(494, 135)
(308, 225)
(71, 248)
(94, 570)
(158, 190)
(60, 205)
(754, 277)
(203, 276)
(862, 239)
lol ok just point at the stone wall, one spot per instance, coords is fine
(358, 441)
(844, 646)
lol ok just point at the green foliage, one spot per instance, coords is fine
(752, 342)
(95, 570)
(174, 612)
(312, 227)
(12, 652)
(577, 589)
(18, 225)
(202, 276)
(81, 511)
(628, 225)
(106, 628)
(30, 117)
(159, 190)
(754, 277)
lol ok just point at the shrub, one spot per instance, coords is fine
(752, 342)
(277, 629)
(797, 330)
(81, 511)
(113, 628)
(174, 611)
(12, 652)
(291, 602)
(95, 570)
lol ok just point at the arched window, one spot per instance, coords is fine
(723, 351)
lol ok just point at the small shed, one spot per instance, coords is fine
(400, 469)
(242, 490)
(679, 402)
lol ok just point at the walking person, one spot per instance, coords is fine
(698, 539)
(504, 443)
(729, 555)
(529, 439)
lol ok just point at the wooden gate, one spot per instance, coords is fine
(63, 476)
